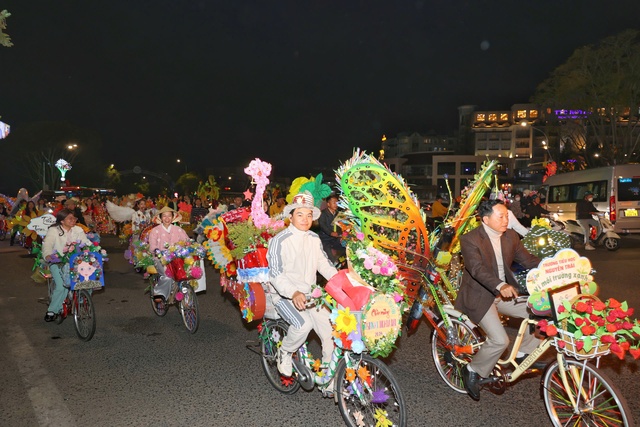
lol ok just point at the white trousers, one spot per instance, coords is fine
(318, 320)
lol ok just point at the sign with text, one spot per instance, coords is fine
(566, 266)
(41, 224)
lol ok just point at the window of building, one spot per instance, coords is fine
(533, 114)
(504, 117)
(493, 117)
(480, 117)
(521, 114)
(482, 136)
(494, 136)
(446, 168)
(468, 168)
(505, 136)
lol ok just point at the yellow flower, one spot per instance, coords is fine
(317, 365)
(381, 418)
(346, 322)
(188, 260)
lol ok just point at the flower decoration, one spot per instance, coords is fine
(544, 242)
(373, 266)
(183, 255)
(64, 167)
(345, 322)
(382, 419)
(259, 171)
(73, 248)
(590, 320)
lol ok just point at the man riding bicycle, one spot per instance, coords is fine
(295, 255)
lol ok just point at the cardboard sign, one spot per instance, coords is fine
(41, 224)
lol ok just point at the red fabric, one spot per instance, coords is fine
(347, 295)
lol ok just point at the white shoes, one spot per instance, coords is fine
(284, 363)
(589, 247)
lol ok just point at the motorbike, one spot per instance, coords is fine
(603, 235)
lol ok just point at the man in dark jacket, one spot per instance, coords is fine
(488, 288)
(585, 210)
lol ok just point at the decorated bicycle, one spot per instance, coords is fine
(366, 321)
(80, 267)
(176, 275)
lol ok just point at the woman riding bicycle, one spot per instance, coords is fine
(62, 233)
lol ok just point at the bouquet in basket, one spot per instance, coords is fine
(182, 259)
(591, 320)
(74, 248)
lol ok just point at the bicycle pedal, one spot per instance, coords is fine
(488, 380)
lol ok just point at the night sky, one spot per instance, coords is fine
(296, 83)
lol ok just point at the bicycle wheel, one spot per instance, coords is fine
(84, 315)
(598, 401)
(448, 367)
(159, 307)
(380, 401)
(271, 337)
(189, 308)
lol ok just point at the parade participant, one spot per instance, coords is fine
(584, 211)
(330, 234)
(198, 212)
(163, 235)
(438, 210)
(489, 287)
(237, 203)
(140, 218)
(59, 235)
(295, 255)
(278, 206)
(73, 207)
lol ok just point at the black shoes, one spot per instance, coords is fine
(536, 365)
(50, 316)
(471, 383)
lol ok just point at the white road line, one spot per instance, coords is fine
(48, 404)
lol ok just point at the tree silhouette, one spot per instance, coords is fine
(604, 81)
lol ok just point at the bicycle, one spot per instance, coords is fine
(182, 294)
(79, 303)
(365, 389)
(574, 391)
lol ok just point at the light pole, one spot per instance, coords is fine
(545, 142)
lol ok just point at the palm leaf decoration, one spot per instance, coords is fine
(317, 188)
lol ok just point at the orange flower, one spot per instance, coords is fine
(350, 375)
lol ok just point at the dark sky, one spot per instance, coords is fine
(296, 83)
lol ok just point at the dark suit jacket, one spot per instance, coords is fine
(480, 278)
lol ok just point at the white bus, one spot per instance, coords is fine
(616, 191)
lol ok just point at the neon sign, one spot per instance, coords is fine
(571, 114)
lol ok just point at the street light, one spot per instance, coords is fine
(185, 165)
(545, 142)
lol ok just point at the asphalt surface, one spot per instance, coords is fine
(144, 370)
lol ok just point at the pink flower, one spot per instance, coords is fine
(397, 297)
(316, 293)
(368, 264)
(195, 272)
(384, 271)
(375, 269)
(360, 236)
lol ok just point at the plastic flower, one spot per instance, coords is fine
(350, 375)
(589, 320)
(345, 322)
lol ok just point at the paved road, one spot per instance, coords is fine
(142, 370)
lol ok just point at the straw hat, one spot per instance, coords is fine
(302, 200)
(158, 217)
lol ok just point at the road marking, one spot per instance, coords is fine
(48, 404)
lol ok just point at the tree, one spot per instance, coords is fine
(5, 40)
(188, 182)
(603, 80)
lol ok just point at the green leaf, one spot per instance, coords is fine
(624, 306)
(577, 334)
(588, 344)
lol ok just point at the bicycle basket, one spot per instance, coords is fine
(565, 342)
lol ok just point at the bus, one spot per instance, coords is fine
(84, 192)
(616, 191)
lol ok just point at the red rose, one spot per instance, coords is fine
(630, 312)
(614, 303)
(581, 307)
(611, 318)
(561, 344)
(579, 321)
(551, 330)
(594, 317)
(611, 327)
(561, 309)
(617, 350)
(599, 305)
(627, 325)
(635, 352)
(579, 345)
(608, 339)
